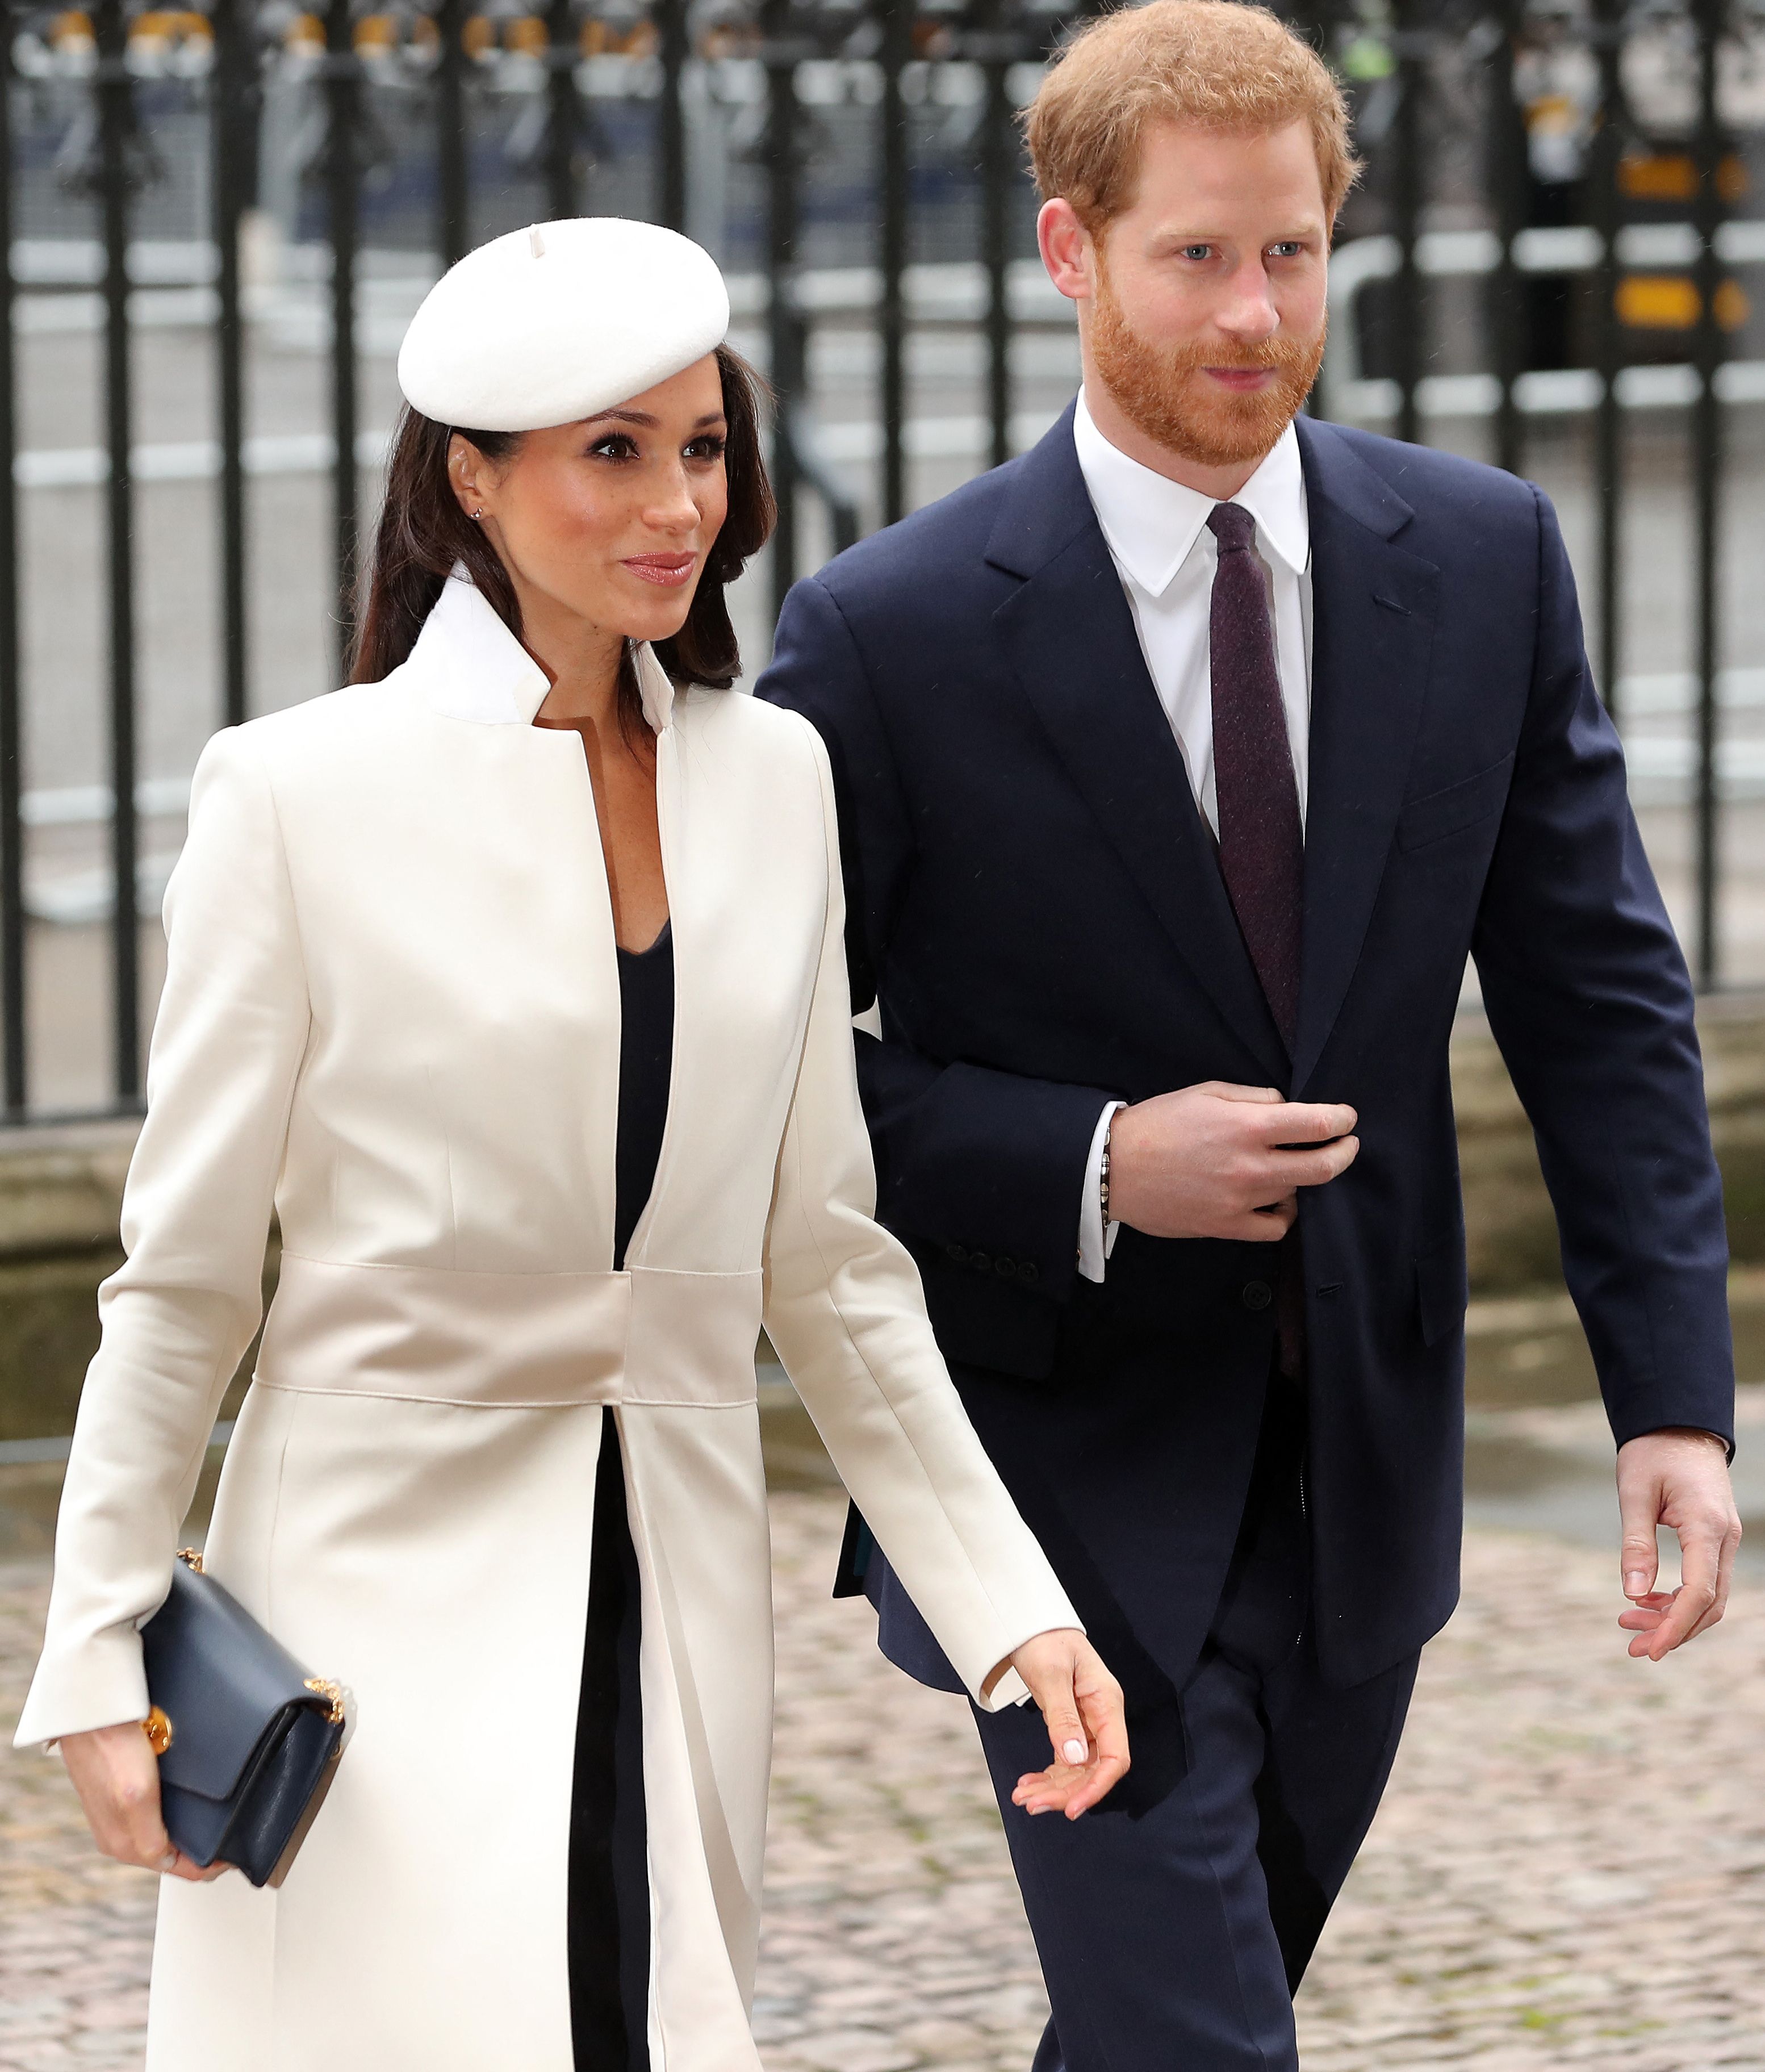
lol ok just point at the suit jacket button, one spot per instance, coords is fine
(1257, 1295)
(1028, 1272)
(1005, 1268)
(958, 1252)
(981, 1261)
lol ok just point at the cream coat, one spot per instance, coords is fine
(392, 1011)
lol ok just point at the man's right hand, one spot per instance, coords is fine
(1219, 1161)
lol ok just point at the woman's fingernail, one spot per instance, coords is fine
(1635, 1583)
(1075, 1752)
(169, 1861)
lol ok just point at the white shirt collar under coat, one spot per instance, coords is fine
(472, 668)
(1151, 523)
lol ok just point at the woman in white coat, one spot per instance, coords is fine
(511, 977)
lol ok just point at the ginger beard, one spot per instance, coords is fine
(1164, 391)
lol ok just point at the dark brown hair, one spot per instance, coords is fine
(423, 534)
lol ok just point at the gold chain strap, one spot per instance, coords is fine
(334, 1691)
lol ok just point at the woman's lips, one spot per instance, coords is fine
(667, 571)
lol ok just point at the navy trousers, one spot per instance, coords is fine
(1175, 1920)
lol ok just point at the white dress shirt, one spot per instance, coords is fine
(1157, 535)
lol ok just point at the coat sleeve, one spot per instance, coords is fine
(179, 1313)
(1588, 997)
(966, 1154)
(845, 1314)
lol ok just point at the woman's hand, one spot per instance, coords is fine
(117, 1775)
(1082, 1708)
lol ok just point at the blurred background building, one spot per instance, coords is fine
(219, 224)
(216, 225)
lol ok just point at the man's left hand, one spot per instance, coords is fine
(1678, 1478)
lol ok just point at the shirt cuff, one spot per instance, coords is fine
(1095, 1243)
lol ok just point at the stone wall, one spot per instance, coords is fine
(60, 1186)
(1512, 1238)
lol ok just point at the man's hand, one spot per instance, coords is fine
(1220, 1161)
(1677, 1478)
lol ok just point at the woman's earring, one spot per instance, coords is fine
(477, 514)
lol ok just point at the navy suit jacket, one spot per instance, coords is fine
(1034, 897)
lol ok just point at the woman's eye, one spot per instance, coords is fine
(711, 447)
(616, 445)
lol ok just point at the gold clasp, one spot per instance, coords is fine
(158, 1729)
(191, 1557)
(334, 1691)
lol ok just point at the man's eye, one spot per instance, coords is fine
(1196, 251)
(1289, 248)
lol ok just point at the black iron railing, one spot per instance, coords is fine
(1556, 230)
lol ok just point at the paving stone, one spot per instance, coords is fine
(1569, 1870)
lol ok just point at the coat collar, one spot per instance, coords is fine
(472, 668)
(1374, 607)
(1070, 637)
(1151, 523)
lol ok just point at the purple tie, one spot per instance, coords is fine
(1262, 847)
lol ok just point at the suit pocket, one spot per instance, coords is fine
(1442, 1290)
(1459, 806)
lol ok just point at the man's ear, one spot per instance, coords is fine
(1065, 246)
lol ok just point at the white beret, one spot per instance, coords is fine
(560, 322)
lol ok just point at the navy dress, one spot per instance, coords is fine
(610, 1884)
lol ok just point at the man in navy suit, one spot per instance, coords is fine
(1180, 766)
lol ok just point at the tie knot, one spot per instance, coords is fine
(1232, 526)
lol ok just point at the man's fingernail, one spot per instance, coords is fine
(1075, 1752)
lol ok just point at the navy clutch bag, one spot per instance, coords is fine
(248, 1741)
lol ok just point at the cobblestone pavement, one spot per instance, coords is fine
(1569, 1870)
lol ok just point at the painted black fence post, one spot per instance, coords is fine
(1408, 307)
(897, 50)
(779, 155)
(1605, 171)
(563, 117)
(116, 139)
(342, 186)
(1506, 174)
(673, 48)
(1709, 156)
(12, 920)
(452, 139)
(232, 81)
(994, 50)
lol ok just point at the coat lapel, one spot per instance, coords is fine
(1069, 636)
(1373, 611)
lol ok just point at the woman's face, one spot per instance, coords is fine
(609, 521)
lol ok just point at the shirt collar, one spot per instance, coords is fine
(1151, 523)
(473, 668)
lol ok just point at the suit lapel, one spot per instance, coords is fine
(1069, 636)
(1373, 611)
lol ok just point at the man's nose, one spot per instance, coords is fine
(1249, 311)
